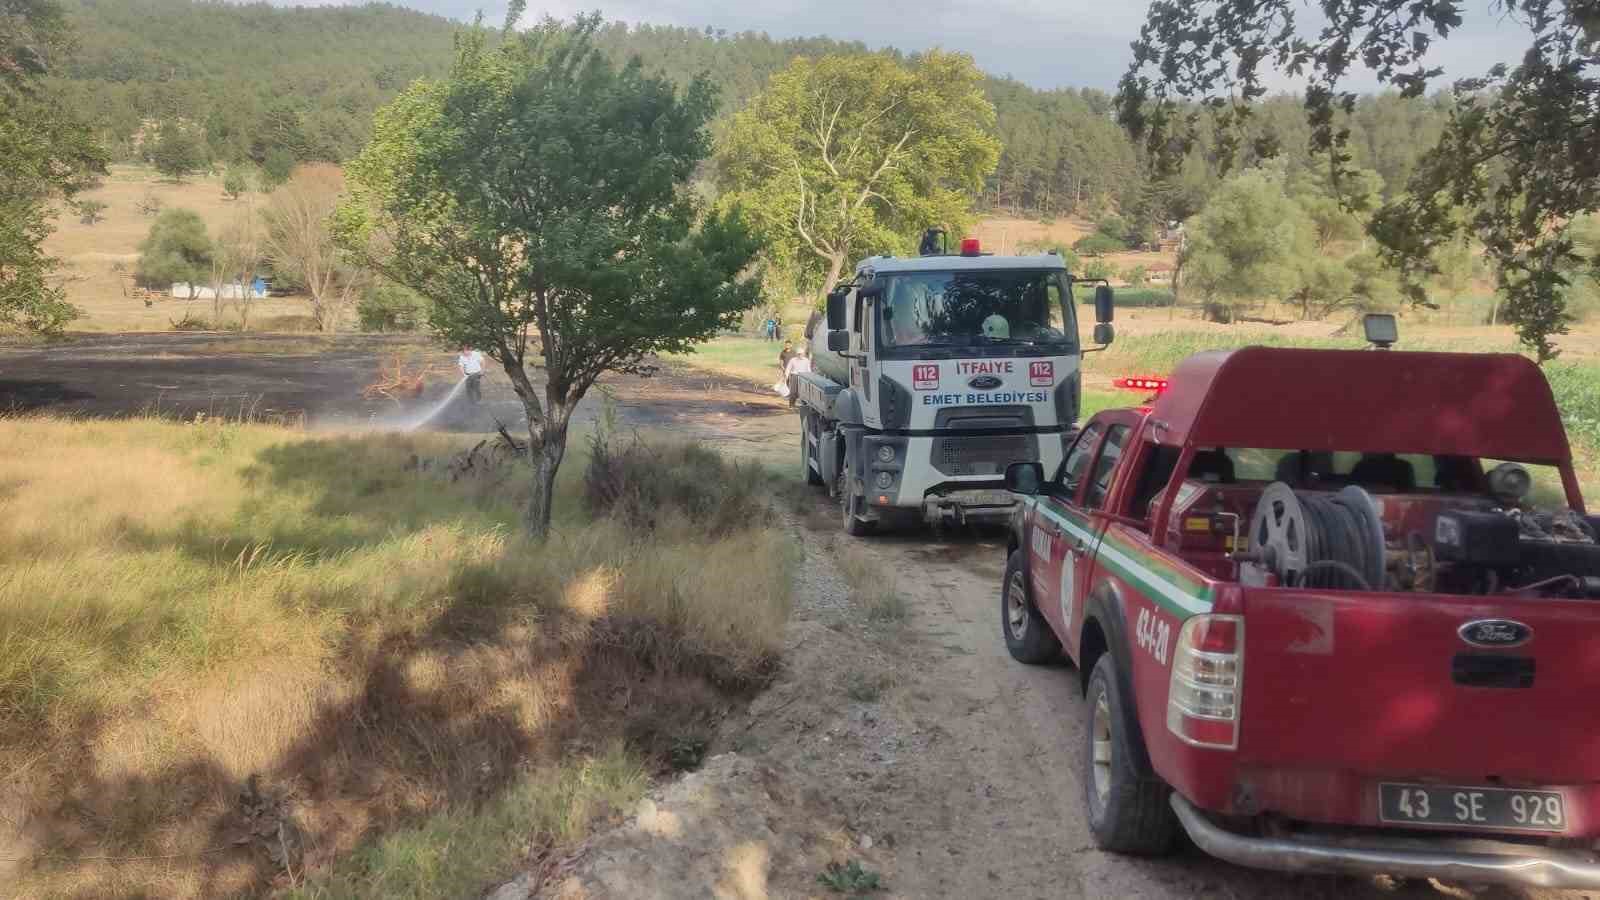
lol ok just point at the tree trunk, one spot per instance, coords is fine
(545, 456)
(835, 266)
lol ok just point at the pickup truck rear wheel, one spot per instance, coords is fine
(1128, 812)
(1028, 635)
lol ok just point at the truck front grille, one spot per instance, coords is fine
(982, 454)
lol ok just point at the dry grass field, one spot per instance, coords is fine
(235, 656)
(90, 254)
(1007, 235)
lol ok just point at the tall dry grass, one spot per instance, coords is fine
(191, 611)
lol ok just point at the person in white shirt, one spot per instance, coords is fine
(797, 364)
(470, 362)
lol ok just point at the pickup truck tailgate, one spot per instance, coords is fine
(1384, 684)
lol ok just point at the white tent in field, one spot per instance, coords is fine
(234, 291)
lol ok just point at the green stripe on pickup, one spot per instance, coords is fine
(1181, 595)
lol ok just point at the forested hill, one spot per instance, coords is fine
(257, 78)
(277, 85)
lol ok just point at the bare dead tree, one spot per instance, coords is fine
(299, 239)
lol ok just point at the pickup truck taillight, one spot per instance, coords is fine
(1203, 700)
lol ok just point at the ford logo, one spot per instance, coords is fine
(984, 383)
(1495, 633)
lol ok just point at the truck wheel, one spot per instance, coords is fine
(1028, 635)
(854, 525)
(813, 477)
(1128, 812)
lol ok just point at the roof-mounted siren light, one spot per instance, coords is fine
(1154, 386)
(1381, 330)
(1141, 383)
(969, 247)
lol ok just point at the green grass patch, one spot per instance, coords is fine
(751, 359)
(1160, 353)
(1577, 390)
(1134, 298)
(1094, 401)
(850, 878)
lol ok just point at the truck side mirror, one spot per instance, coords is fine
(872, 290)
(838, 341)
(1104, 333)
(1104, 305)
(1381, 329)
(1024, 478)
(836, 308)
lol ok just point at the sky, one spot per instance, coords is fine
(1044, 43)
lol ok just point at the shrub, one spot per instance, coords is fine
(1137, 277)
(236, 183)
(1138, 298)
(1098, 268)
(1062, 250)
(190, 322)
(178, 151)
(277, 167)
(390, 307)
(1113, 226)
(646, 485)
(176, 249)
(1098, 244)
(89, 212)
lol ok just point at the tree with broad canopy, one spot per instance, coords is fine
(538, 198)
(849, 154)
(1520, 152)
(44, 154)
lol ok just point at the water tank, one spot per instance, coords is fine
(823, 360)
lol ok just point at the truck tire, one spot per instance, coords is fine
(854, 525)
(1127, 812)
(812, 476)
(1028, 635)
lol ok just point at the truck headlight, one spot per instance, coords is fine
(885, 479)
(885, 453)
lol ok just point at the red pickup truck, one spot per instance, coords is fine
(1334, 611)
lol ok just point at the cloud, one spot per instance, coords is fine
(1045, 43)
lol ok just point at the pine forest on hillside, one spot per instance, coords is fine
(275, 86)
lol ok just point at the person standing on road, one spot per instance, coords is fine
(770, 329)
(784, 355)
(797, 364)
(470, 362)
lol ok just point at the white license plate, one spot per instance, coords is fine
(987, 498)
(1498, 809)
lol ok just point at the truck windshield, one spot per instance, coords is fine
(925, 309)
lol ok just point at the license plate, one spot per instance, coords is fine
(1500, 809)
(988, 498)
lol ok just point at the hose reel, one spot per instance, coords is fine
(1314, 539)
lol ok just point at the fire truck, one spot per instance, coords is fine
(935, 372)
(1333, 611)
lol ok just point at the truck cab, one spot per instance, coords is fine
(1333, 611)
(936, 372)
